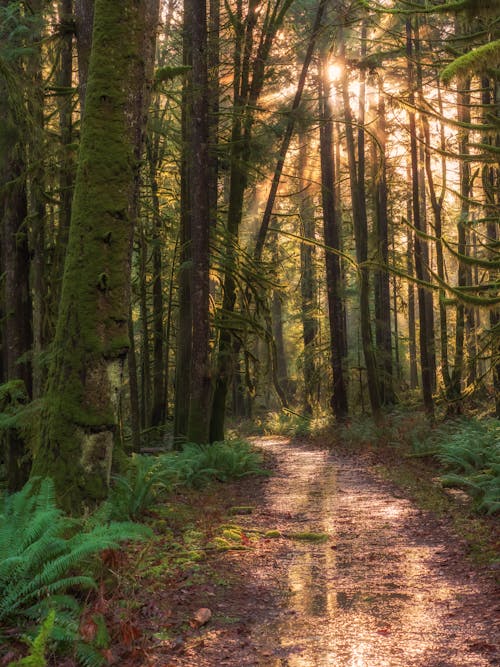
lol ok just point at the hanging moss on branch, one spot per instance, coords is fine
(78, 425)
(482, 59)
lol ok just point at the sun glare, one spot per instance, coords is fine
(334, 71)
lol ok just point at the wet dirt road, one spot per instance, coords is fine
(389, 588)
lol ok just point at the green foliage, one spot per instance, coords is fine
(468, 450)
(287, 423)
(38, 646)
(45, 557)
(477, 61)
(148, 477)
(136, 491)
(472, 455)
(221, 461)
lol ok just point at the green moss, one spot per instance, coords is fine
(78, 424)
(478, 60)
(273, 533)
(241, 509)
(308, 536)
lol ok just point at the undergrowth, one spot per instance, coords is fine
(148, 478)
(466, 452)
(46, 562)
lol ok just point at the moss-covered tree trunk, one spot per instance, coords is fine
(79, 421)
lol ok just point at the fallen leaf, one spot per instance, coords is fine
(88, 629)
(202, 616)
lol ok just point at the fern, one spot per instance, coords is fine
(148, 478)
(132, 494)
(472, 456)
(44, 556)
(38, 646)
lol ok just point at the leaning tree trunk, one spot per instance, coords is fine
(78, 427)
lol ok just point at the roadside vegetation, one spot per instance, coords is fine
(56, 571)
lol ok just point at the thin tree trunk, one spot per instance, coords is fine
(383, 334)
(437, 209)
(360, 222)
(135, 417)
(308, 283)
(158, 375)
(145, 338)
(420, 259)
(338, 334)
(463, 115)
(184, 331)
(412, 331)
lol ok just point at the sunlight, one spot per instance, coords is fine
(335, 72)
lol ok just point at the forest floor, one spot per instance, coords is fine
(330, 566)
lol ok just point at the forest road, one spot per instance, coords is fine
(389, 587)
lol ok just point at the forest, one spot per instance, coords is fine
(223, 220)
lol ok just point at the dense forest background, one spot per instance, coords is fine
(219, 210)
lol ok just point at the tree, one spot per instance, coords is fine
(79, 420)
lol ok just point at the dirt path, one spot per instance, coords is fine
(388, 588)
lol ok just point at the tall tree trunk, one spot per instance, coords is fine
(410, 256)
(184, 331)
(360, 222)
(37, 184)
(200, 371)
(463, 115)
(79, 423)
(437, 210)
(338, 333)
(158, 376)
(491, 187)
(383, 334)
(145, 355)
(135, 416)
(15, 262)
(308, 283)
(421, 269)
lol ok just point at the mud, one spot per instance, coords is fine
(390, 587)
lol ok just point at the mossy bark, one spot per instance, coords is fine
(78, 425)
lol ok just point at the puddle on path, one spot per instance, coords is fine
(381, 592)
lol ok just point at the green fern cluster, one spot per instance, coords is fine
(46, 557)
(148, 478)
(472, 455)
(197, 465)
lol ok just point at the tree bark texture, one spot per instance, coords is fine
(80, 416)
